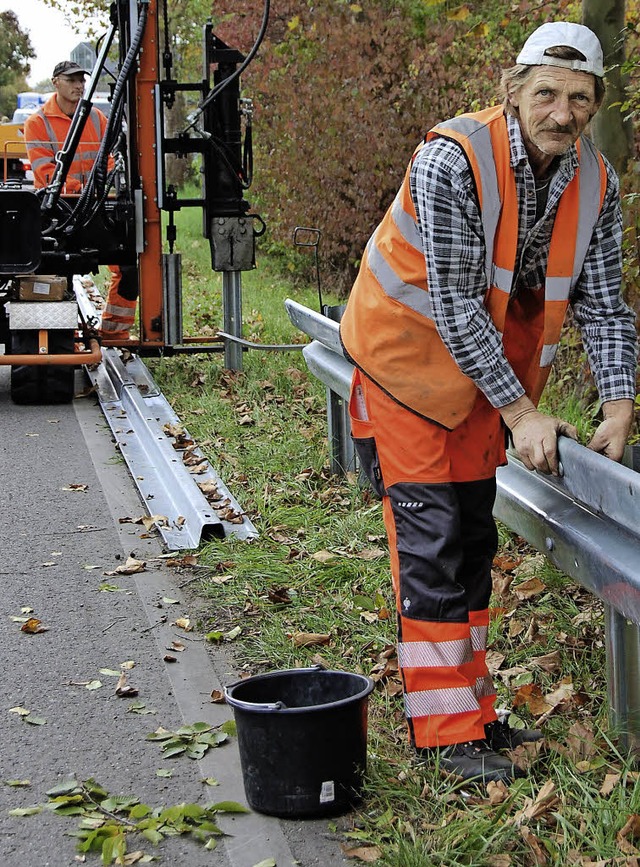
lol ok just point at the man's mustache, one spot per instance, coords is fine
(559, 129)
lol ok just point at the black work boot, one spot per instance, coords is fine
(501, 736)
(473, 761)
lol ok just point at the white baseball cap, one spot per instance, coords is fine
(557, 33)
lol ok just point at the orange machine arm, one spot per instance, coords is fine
(150, 260)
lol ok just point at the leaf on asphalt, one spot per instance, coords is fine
(26, 811)
(363, 853)
(183, 623)
(123, 690)
(127, 665)
(218, 697)
(309, 639)
(131, 567)
(21, 711)
(110, 672)
(268, 862)
(16, 784)
(140, 707)
(168, 658)
(82, 489)
(34, 720)
(164, 772)
(167, 600)
(177, 647)
(210, 781)
(545, 801)
(33, 626)
(94, 684)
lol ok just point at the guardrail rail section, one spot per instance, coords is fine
(587, 521)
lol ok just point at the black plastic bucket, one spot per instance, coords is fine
(302, 736)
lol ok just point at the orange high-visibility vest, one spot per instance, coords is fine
(387, 329)
(45, 132)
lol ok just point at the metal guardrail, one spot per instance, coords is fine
(142, 421)
(587, 521)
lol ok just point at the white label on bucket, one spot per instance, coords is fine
(327, 792)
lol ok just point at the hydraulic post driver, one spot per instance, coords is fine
(116, 219)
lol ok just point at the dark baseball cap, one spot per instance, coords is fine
(68, 67)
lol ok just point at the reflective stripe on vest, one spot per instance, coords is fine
(402, 351)
(434, 654)
(89, 151)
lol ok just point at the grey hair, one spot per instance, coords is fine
(517, 76)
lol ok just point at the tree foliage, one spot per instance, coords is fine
(344, 90)
(15, 52)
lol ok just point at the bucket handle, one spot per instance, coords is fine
(255, 705)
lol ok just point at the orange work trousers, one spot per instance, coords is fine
(438, 489)
(120, 310)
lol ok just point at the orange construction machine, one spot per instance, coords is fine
(49, 238)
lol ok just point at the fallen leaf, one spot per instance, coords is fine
(497, 792)
(77, 488)
(34, 720)
(33, 626)
(94, 684)
(545, 801)
(537, 849)
(609, 784)
(128, 665)
(130, 567)
(217, 696)
(629, 831)
(268, 862)
(548, 662)
(17, 783)
(363, 853)
(531, 695)
(21, 711)
(183, 623)
(528, 589)
(309, 639)
(123, 690)
(323, 556)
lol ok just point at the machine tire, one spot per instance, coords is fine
(38, 383)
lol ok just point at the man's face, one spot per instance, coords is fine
(70, 87)
(554, 107)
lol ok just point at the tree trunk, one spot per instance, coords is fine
(611, 133)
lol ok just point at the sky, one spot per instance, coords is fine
(52, 38)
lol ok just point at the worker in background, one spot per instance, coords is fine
(45, 132)
(505, 217)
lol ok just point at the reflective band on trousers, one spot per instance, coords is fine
(460, 699)
(434, 654)
(485, 686)
(479, 637)
(114, 310)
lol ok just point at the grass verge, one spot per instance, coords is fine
(314, 587)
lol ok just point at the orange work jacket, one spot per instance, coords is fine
(45, 132)
(387, 329)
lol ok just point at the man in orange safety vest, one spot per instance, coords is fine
(506, 217)
(45, 132)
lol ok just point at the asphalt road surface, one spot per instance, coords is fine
(62, 490)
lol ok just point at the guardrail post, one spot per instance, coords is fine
(342, 456)
(623, 681)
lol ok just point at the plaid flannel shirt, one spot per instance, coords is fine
(443, 191)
